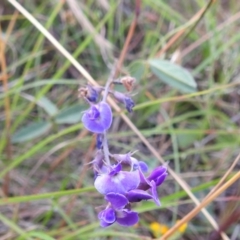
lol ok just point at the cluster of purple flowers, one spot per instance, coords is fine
(123, 182)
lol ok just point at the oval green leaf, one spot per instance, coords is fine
(173, 75)
(48, 106)
(70, 115)
(31, 131)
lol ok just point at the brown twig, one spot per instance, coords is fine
(7, 103)
(235, 216)
(203, 204)
(224, 177)
(129, 37)
(204, 38)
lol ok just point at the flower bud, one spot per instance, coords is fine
(127, 101)
(98, 118)
(99, 141)
(128, 82)
(91, 93)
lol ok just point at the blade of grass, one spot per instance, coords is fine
(35, 197)
(14, 227)
(36, 47)
(7, 103)
(37, 147)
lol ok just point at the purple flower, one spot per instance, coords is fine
(155, 179)
(98, 118)
(117, 181)
(137, 195)
(158, 175)
(118, 210)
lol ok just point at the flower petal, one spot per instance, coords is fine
(118, 201)
(144, 182)
(107, 215)
(98, 118)
(119, 183)
(104, 224)
(154, 193)
(143, 166)
(138, 195)
(161, 179)
(157, 172)
(116, 169)
(129, 218)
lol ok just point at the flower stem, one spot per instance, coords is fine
(108, 83)
(105, 149)
(105, 143)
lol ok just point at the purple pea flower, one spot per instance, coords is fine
(155, 179)
(118, 210)
(98, 118)
(117, 181)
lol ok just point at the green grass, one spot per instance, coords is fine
(196, 133)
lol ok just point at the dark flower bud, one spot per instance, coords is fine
(91, 93)
(126, 100)
(99, 141)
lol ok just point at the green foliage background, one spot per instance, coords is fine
(187, 105)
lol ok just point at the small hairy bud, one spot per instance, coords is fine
(128, 82)
(82, 92)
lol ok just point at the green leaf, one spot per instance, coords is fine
(43, 102)
(70, 115)
(31, 131)
(173, 75)
(48, 106)
(38, 235)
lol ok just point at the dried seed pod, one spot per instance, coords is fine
(82, 92)
(128, 82)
